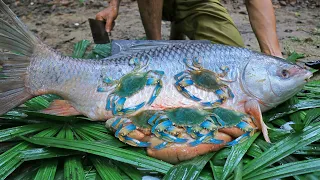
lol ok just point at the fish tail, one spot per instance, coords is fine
(21, 44)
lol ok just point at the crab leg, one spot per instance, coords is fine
(156, 92)
(133, 109)
(207, 138)
(161, 125)
(123, 130)
(180, 86)
(161, 145)
(222, 97)
(245, 126)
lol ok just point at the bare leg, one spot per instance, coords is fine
(151, 15)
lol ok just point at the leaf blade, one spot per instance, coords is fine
(189, 169)
(104, 150)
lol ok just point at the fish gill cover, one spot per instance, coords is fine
(41, 146)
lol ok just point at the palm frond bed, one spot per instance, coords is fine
(40, 146)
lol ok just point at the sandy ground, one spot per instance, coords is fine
(60, 24)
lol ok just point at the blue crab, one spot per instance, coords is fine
(182, 125)
(130, 84)
(204, 79)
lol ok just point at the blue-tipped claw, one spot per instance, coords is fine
(161, 146)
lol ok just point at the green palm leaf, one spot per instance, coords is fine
(47, 170)
(104, 150)
(189, 169)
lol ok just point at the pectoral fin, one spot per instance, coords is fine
(252, 107)
(61, 108)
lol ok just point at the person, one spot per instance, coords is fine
(202, 19)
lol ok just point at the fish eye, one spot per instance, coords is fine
(285, 73)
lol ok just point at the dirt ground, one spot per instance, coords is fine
(62, 23)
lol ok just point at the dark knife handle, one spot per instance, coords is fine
(314, 64)
(98, 30)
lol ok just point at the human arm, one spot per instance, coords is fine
(151, 16)
(109, 14)
(263, 22)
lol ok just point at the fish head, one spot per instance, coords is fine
(272, 80)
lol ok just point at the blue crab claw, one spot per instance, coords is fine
(133, 109)
(171, 138)
(159, 127)
(135, 142)
(161, 146)
(239, 139)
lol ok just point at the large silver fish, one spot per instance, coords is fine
(150, 76)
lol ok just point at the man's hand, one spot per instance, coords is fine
(263, 22)
(109, 14)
